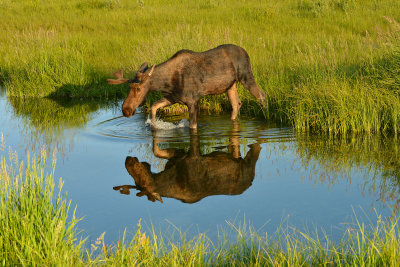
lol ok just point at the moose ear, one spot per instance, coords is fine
(146, 75)
(157, 197)
(151, 71)
(144, 67)
(147, 166)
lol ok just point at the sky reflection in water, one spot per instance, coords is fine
(276, 175)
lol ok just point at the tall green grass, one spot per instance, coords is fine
(35, 230)
(34, 225)
(329, 65)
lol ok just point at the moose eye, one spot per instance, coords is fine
(138, 89)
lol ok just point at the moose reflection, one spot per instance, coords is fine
(191, 176)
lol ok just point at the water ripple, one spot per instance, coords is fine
(176, 129)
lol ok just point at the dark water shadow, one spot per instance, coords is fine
(2, 89)
(95, 90)
(44, 120)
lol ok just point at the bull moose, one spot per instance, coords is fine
(191, 176)
(187, 76)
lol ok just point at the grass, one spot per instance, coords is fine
(34, 223)
(326, 65)
(35, 230)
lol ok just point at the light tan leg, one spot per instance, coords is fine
(235, 101)
(159, 104)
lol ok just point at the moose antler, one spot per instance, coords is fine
(125, 189)
(118, 74)
(120, 79)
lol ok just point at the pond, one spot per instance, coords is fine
(118, 171)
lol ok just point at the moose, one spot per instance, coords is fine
(190, 176)
(187, 76)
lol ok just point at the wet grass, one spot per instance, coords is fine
(35, 230)
(330, 65)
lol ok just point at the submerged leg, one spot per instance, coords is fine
(159, 104)
(193, 111)
(235, 101)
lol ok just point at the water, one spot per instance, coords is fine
(246, 172)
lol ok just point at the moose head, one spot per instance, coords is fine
(143, 179)
(139, 88)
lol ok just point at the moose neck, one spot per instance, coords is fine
(163, 76)
(156, 80)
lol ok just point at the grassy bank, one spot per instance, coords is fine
(35, 230)
(330, 65)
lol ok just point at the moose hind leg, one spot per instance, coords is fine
(235, 101)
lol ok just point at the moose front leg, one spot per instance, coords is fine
(159, 104)
(193, 111)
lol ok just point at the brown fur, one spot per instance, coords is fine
(187, 76)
